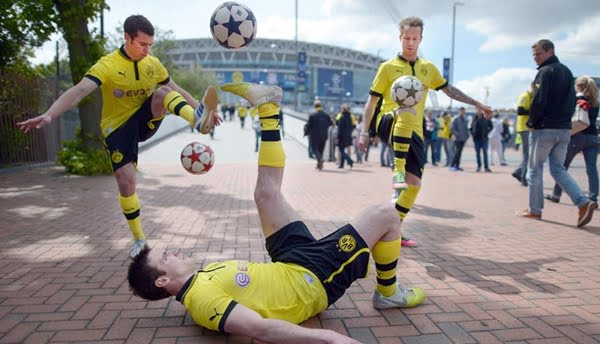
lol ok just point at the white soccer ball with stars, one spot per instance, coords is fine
(197, 158)
(233, 25)
(407, 91)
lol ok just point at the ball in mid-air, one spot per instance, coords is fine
(197, 158)
(233, 25)
(407, 91)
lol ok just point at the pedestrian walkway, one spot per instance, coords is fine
(491, 277)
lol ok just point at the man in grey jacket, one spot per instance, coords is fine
(460, 131)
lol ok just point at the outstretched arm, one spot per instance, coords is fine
(457, 94)
(67, 100)
(367, 117)
(246, 322)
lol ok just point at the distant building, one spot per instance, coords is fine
(330, 73)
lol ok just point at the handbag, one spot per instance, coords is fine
(580, 120)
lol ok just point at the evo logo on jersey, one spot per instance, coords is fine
(118, 93)
(241, 279)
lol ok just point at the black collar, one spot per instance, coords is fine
(404, 59)
(551, 59)
(180, 295)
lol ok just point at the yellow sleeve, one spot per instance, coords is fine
(161, 74)
(381, 82)
(435, 80)
(99, 71)
(210, 308)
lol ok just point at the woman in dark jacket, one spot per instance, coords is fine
(585, 141)
(480, 128)
(345, 124)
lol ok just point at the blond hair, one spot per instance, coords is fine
(411, 22)
(588, 87)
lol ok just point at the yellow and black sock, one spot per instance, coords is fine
(270, 152)
(385, 255)
(407, 200)
(131, 209)
(175, 103)
(401, 144)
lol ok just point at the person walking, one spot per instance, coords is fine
(480, 129)
(523, 105)
(460, 131)
(550, 123)
(585, 141)
(317, 129)
(345, 125)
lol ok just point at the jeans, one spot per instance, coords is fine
(385, 158)
(550, 144)
(458, 147)
(479, 147)
(344, 157)
(449, 150)
(522, 169)
(588, 144)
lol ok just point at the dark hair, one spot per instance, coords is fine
(136, 23)
(142, 276)
(545, 44)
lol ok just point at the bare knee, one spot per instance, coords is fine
(126, 180)
(162, 91)
(264, 194)
(380, 222)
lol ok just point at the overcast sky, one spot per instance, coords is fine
(492, 41)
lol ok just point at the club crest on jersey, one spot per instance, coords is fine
(241, 279)
(347, 243)
(116, 157)
(424, 71)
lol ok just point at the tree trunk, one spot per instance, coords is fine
(73, 22)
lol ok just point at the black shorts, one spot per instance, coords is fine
(337, 260)
(415, 159)
(122, 144)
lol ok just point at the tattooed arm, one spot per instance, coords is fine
(457, 94)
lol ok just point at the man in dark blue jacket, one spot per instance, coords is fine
(550, 123)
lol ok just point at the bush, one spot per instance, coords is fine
(81, 160)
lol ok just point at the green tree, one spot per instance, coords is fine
(24, 25)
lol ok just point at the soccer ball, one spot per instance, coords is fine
(407, 91)
(233, 25)
(197, 158)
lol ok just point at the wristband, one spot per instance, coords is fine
(363, 134)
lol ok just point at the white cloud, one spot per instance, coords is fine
(582, 42)
(501, 88)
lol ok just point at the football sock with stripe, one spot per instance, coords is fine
(270, 152)
(175, 103)
(385, 255)
(407, 200)
(131, 209)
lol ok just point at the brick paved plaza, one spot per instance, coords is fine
(491, 277)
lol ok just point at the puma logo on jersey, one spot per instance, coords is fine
(214, 316)
(122, 73)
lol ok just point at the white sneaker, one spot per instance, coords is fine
(137, 247)
(403, 298)
(204, 111)
(254, 93)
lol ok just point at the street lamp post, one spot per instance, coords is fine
(456, 3)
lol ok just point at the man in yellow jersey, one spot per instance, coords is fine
(523, 106)
(136, 93)
(405, 129)
(305, 276)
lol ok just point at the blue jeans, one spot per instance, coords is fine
(588, 144)
(550, 144)
(479, 147)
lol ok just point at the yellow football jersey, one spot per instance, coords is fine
(274, 290)
(394, 68)
(524, 102)
(125, 85)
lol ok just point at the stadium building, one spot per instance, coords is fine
(331, 73)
